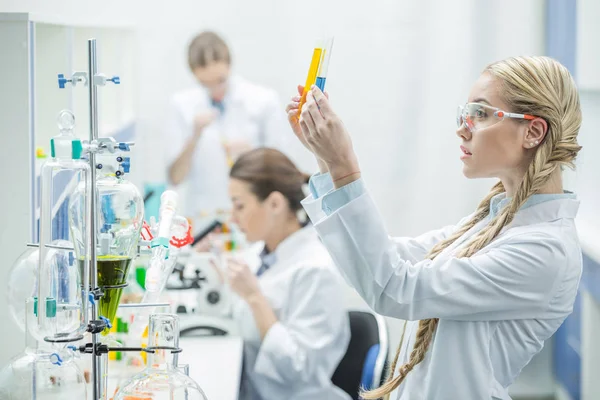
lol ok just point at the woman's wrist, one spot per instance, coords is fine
(256, 299)
(346, 179)
(344, 173)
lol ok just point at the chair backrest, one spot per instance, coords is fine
(364, 361)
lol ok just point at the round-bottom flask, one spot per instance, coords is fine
(41, 373)
(161, 379)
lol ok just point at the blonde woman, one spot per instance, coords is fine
(481, 297)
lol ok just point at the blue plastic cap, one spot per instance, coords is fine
(116, 80)
(124, 146)
(62, 81)
(126, 164)
(91, 298)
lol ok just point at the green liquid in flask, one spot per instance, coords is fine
(112, 271)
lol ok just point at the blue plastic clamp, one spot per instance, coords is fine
(106, 321)
(55, 359)
(62, 81)
(126, 164)
(106, 227)
(124, 146)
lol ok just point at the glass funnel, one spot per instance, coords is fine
(119, 219)
(161, 380)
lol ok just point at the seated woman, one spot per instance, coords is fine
(290, 310)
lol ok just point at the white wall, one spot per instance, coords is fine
(588, 51)
(429, 53)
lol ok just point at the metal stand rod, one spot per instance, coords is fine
(93, 92)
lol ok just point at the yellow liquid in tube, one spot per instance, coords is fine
(311, 79)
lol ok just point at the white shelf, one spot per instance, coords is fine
(35, 49)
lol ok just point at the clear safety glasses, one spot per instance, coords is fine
(475, 116)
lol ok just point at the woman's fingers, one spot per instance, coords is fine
(293, 106)
(314, 110)
(322, 102)
(307, 121)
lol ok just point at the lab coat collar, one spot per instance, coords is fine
(551, 210)
(290, 245)
(560, 203)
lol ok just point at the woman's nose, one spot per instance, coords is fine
(463, 133)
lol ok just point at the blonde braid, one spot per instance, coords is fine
(538, 174)
(533, 85)
(483, 209)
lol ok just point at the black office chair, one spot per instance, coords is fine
(364, 362)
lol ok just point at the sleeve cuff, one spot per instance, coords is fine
(336, 199)
(320, 184)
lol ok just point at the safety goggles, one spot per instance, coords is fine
(475, 116)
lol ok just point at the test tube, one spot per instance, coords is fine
(313, 70)
(324, 64)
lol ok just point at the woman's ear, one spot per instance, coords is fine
(276, 202)
(536, 132)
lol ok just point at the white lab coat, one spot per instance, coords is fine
(252, 113)
(300, 353)
(496, 308)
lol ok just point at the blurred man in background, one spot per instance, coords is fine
(212, 123)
